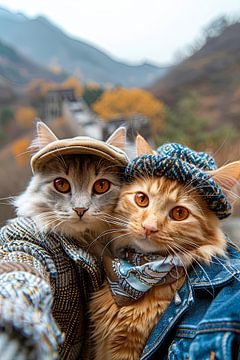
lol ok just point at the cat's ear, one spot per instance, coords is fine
(227, 177)
(118, 138)
(44, 136)
(143, 147)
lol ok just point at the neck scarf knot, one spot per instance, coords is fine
(130, 278)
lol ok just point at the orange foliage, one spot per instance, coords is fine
(40, 87)
(19, 151)
(25, 115)
(72, 82)
(124, 103)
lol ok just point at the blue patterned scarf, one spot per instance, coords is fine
(130, 278)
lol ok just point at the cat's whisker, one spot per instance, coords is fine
(183, 265)
(104, 233)
(233, 244)
(96, 240)
(112, 240)
(57, 225)
(226, 268)
(46, 226)
(220, 146)
(7, 198)
(46, 219)
(119, 217)
(107, 221)
(113, 221)
(62, 161)
(194, 260)
(109, 216)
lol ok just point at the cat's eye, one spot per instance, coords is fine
(141, 199)
(62, 185)
(101, 186)
(179, 213)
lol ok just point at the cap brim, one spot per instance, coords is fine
(78, 146)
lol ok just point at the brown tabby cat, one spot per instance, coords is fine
(160, 216)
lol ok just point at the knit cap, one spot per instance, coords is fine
(178, 162)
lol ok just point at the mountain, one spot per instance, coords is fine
(212, 73)
(16, 69)
(47, 45)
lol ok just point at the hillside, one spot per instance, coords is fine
(6, 91)
(16, 69)
(29, 36)
(213, 74)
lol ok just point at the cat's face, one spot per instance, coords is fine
(159, 215)
(163, 216)
(72, 194)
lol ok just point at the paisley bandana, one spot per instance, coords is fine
(130, 278)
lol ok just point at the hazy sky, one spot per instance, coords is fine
(131, 30)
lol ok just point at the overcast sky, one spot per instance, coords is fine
(131, 30)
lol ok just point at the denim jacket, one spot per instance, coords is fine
(203, 321)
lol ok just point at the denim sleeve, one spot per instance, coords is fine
(26, 272)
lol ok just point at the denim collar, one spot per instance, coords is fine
(218, 272)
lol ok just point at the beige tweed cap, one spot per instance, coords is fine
(50, 147)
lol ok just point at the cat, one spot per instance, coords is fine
(156, 216)
(72, 194)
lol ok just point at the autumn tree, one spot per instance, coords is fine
(38, 88)
(25, 115)
(19, 149)
(126, 103)
(73, 82)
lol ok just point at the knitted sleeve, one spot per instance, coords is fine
(26, 274)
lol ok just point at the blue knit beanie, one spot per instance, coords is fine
(178, 162)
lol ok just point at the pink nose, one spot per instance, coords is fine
(149, 229)
(80, 211)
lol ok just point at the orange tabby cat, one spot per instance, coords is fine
(159, 216)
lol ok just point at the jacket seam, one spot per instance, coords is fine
(211, 323)
(210, 330)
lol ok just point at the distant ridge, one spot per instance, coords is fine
(16, 70)
(46, 44)
(212, 73)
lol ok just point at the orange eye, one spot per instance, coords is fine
(141, 199)
(179, 213)
(62, 185)
(101, 186)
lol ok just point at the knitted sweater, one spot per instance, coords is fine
(45, 281)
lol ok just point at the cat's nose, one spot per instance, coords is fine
(80, 211)
(149, 229)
